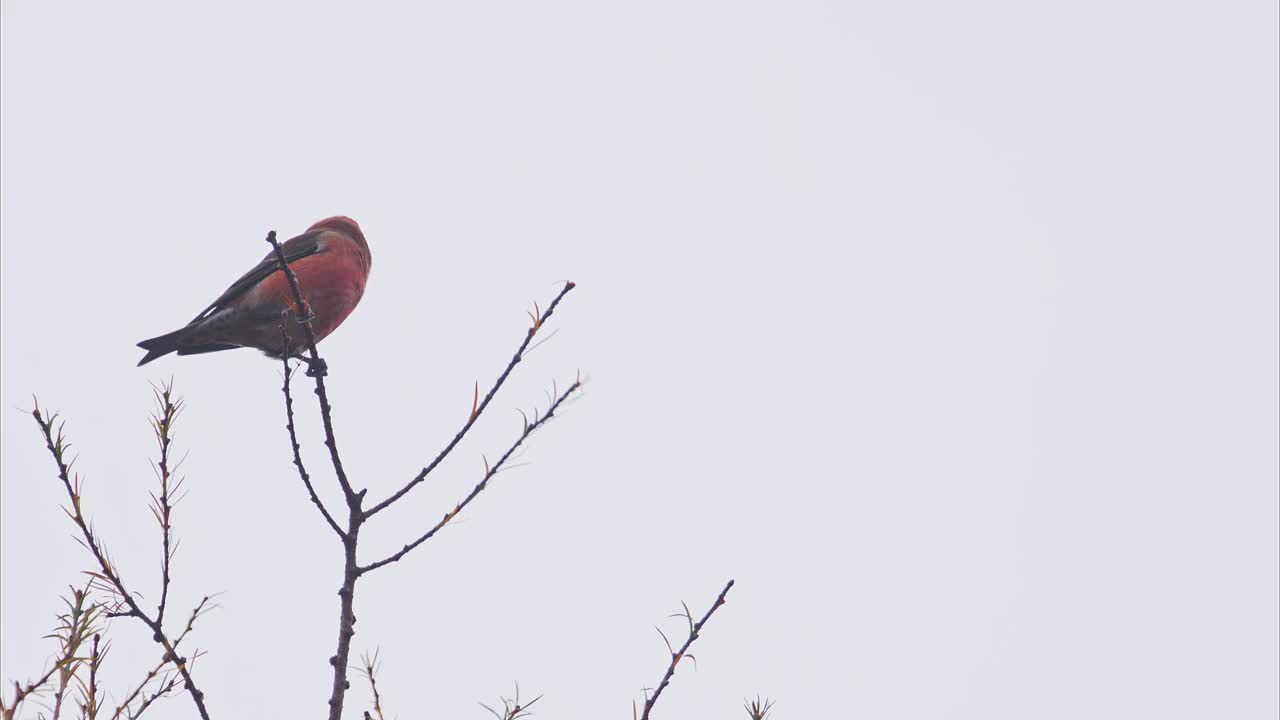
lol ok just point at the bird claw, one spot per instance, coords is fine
(316, 368)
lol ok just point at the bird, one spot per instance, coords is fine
(331, 261)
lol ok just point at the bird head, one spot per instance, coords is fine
(346, 226)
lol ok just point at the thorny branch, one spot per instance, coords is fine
(74, 629)
(758, 709)
(512, 708)
(107, 574)
(478, 408)
(162, 507)
(490, 471)
(168, 682)
(90, 703)
(370, 671)
(22, 692)
(678, 655)
(166, 686)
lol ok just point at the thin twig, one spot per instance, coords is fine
(479, 408)
(123, 710)
(677, 656)
(90, 703)
(74, 628)
(166, 686)
(108, 575)
(21, 692)
(162, 507)
(512, 708)
(297, 449)
(758, 709)
(490, 471)
(370, 671)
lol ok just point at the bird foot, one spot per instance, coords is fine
(316, 368)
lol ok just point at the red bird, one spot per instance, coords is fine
(331, 260)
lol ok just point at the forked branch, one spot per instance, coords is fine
(476, 410)
(75, 627)
(356, 517)
(489, 472)
(107, 575)
(297, 449)
(168, 681)
(512, 707)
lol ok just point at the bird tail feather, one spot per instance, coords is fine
(160, 346)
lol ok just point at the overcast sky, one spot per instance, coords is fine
(948, 330)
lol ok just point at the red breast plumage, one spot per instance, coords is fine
(331, 260)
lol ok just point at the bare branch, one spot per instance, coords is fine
(297, 449)
(107, 575)
(477, 409)
(490, 471)
(677, 656)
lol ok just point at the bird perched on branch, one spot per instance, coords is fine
(331, 261)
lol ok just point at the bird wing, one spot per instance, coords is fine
(294, 249)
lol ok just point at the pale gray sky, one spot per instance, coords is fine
(948, 330)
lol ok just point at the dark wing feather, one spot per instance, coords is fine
(208, 348)
(294, 249)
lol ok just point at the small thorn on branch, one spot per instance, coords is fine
(489, 471)
(478, 404)
(677, 655)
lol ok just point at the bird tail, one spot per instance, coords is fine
(160, 346)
